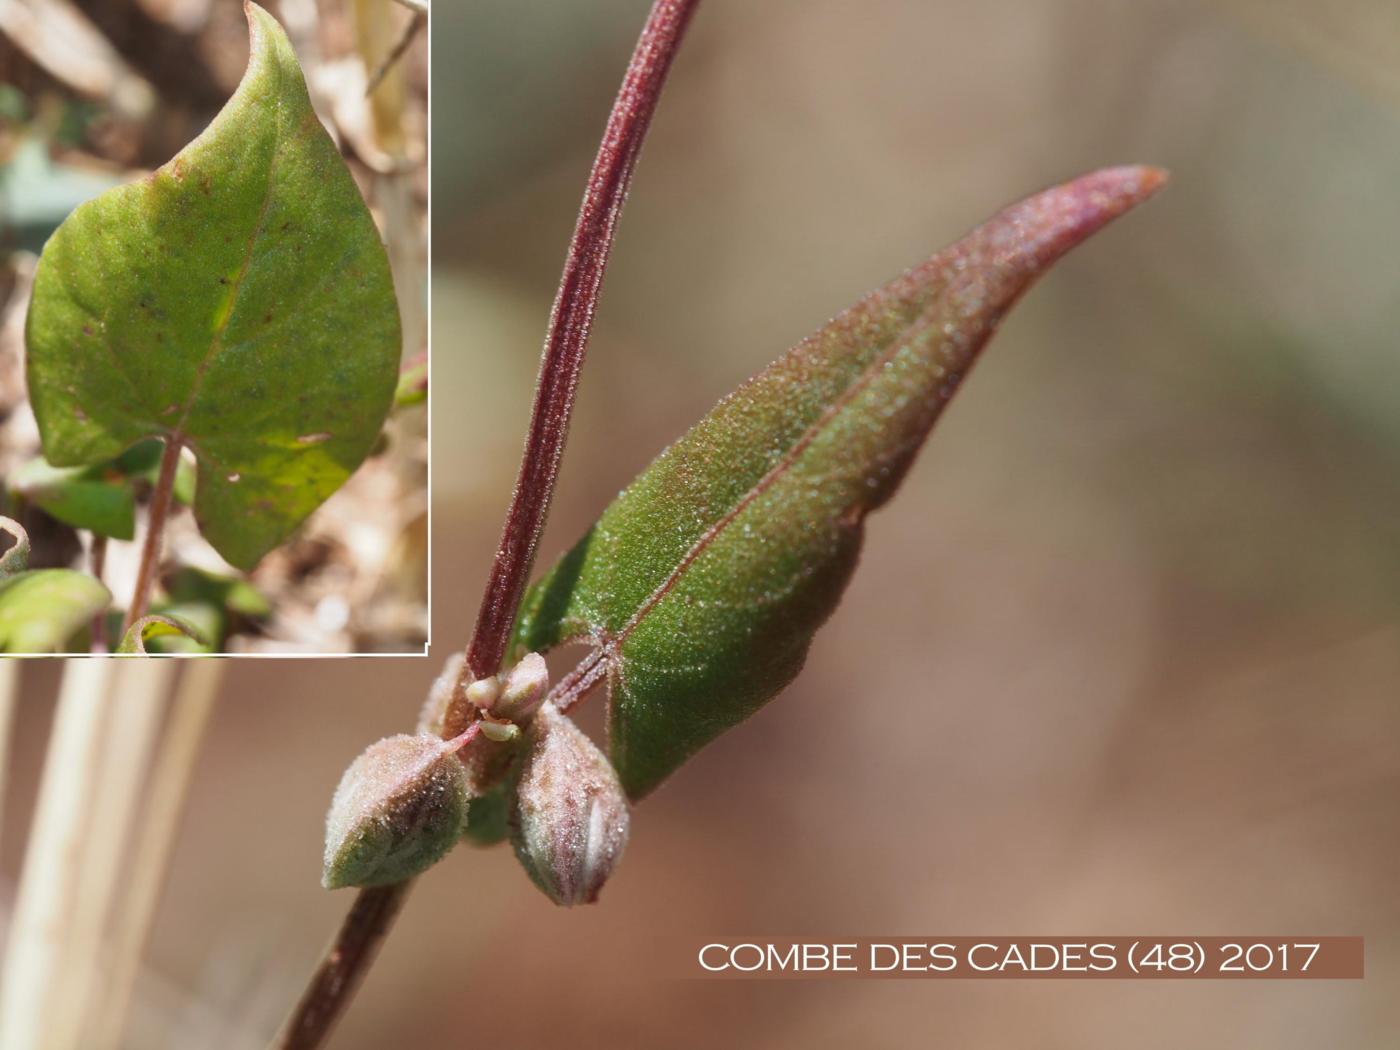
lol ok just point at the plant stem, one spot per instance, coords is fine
(343, 966)
(591, 671)
(354, 946)
(97, 562)
(569, 326)
(155, 532)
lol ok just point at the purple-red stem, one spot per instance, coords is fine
(569, 325)
(356, 942)
(155, 532)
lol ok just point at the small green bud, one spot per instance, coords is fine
(499, 732)
(523, 690)
(399, 808)
(569, 815)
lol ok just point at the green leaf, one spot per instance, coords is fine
(40, 611)
(84, 497)
(237, 300)
(702, 585)
(154, 626)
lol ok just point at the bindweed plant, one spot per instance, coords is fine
(699, 590)
(237, 304)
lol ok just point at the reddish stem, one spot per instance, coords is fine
(569, 325)
(353, 949)
(591, 671)
(343, 967)
(155, 532)
(97, 562)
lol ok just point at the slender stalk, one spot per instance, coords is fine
(155, 532)
(362, 931)
(591, 672)
(569, 325)
(343, 967)
(134, 711)
(97, 563)
(49, 880)
(419, 20)
(150, 856)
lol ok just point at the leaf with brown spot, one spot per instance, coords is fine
(245, 283)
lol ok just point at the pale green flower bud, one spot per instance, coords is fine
(569, 816)
(399, 808)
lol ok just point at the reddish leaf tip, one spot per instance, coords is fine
(1030, 235)
(1093, 200)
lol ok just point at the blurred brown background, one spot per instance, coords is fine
(1122, 657)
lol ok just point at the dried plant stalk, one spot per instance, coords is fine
(133, 723)
(150, 856)
(9, 691)
(49, 879)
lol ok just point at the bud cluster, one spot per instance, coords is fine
(403, 803)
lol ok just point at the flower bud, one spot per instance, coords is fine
(482, 693)
(523, 690)
(399, 808)
(569, 814)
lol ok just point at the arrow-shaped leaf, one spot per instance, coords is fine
(702, 585)
(237, 300)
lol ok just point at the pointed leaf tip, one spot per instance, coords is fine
(1031, 234)
(704, 582)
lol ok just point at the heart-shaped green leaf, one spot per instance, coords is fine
(237, 300)
(83, 497)
(702, 585)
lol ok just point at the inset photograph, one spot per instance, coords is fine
(213, 327)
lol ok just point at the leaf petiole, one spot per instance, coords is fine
(155, 531)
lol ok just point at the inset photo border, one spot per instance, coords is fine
(214, 328)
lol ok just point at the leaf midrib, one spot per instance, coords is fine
(216, 341)
(774, 474)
